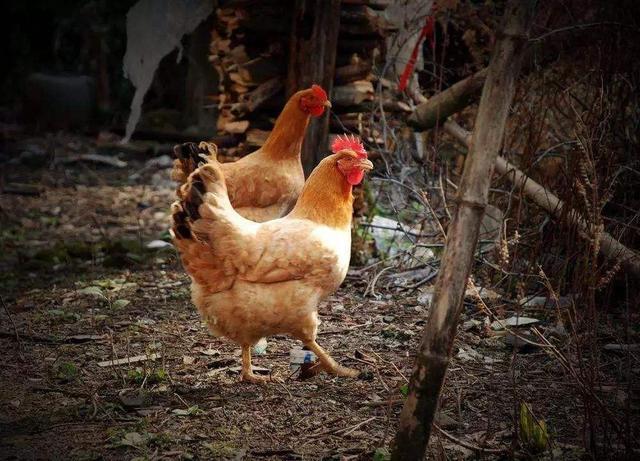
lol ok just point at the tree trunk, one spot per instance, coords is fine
(312, 59)
(609, 247)
(439, 333)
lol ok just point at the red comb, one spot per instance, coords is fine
(350, 143)
(319, 92)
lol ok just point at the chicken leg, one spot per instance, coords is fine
(328, 364)
(247, 372)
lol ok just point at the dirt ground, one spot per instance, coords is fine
(79, 287)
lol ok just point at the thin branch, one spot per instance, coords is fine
(579, 27)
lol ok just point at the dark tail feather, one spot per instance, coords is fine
(207, 178)
(186, 210)
(194, 198)
(188, 157)
(180, 228)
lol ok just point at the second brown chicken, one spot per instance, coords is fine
(265, 184)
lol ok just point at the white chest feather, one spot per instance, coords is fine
(336, 242)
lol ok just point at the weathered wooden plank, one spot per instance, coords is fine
(312, 58)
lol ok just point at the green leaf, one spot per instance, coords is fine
(63, 315)
(120, 303)
(67, 371)
(135, 257)
(533, 432)
(93, 291)
(404, 390)
(159, 376)
(381, 454)
(136, 376)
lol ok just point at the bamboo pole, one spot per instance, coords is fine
(610, 248)
(439, 333)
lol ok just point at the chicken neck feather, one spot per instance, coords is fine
(326, 197)
(288, 132)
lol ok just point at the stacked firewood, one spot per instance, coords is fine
(249, 46)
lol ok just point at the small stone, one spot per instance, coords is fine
(545, 301)
(131, 400)
(485, 293)
(522, 341)
(535, 301)
(445, 421)
(425, 299)
(471, 324)
(557, 331)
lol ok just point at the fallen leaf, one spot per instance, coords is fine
(132, 439)
(93, 291)
(194, 410)
(120, 303)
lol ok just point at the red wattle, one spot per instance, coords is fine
(316, 111)
(355, 177)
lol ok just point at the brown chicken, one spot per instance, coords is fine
(265, 184)
(251, 280)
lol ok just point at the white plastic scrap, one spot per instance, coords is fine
(514, 321)
(158, 244)
(154, 29)
(260, 348)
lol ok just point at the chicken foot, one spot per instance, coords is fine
(328, 364)
(247, 372)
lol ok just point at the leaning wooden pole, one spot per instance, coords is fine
(448, 102)
(439, 333)
(610, 248)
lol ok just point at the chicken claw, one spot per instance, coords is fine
(251, 377)
(329, 365)
(247, 371)
(339, 370)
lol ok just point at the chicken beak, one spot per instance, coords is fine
(366, 164)
(327, 104)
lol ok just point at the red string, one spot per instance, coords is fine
(427, 32)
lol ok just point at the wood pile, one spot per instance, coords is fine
(248, 49)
